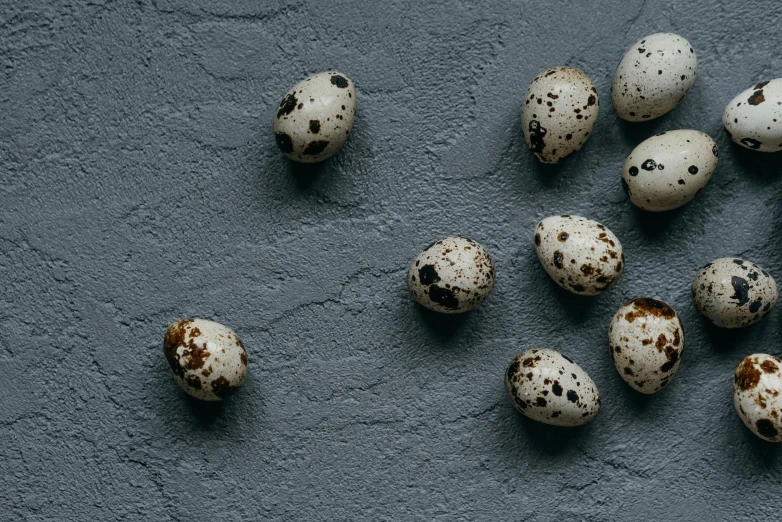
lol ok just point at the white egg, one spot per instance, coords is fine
(646, 340)
(753, 119)
(558, 112)
(451, 276)
(315, 117)
(733, 293)
(757, 395)
(667, 170)
(580, 254)
(550, 388)
(653, 77)
(206, 358)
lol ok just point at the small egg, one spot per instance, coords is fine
(646, 340)
(753, 119)
(207, 359)
(558, 113)
(757, 395)
(452, 276)
(733, 293)
(653, 77)
(580, 254)
(667, 170)
(315, 117)
(548, 387)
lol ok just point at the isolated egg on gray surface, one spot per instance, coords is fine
(548, 387)
(646, 341)
(315, 117)
(733, 293)
(451, 276)
(667, 170)
(580, 254)
(558, 113)
(206, 358)
(653, 77)
(757, 395)
(753, 119)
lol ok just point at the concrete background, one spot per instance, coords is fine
(141, 184)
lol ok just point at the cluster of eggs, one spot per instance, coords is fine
(456, 274)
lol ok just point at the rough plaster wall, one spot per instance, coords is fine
(141, 184)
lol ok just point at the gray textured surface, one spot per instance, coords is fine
(141, 184)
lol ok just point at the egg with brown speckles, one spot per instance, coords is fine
(548, 387)
(315, 117)
(667, 170)
(653, 77)
(580, 254)
(206, 359)
(753, 119)
(646, 341)
(451, 276)
(733, 293)
(757, 395)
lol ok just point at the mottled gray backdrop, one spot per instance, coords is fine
(141, 184)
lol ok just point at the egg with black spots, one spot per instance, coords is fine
(579, 254)
(315, 117)
(452, 276)
(757, 395)
(548, 387)
(206, 359)
(558, 113)
(667, 170)
(753, 119)
(733, 292)
(653, 77)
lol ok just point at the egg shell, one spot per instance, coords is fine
(646, 341)
(548, 387)
(206, 359)
(733, 293)
(753, 119)
(580, 254)
(667, 170)
(653, 77)
(558, 113)
(315, 117)
(757, 395)
(452, 276)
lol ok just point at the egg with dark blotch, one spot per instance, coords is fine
(733, 293)
(558, 113)
(753, 119)
(452, 276)
(667, 170)
(315, 117)
(757, 395)
(548, 387)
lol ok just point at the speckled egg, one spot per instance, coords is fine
(646, 340)
(753, 119)
(451, 276)
(757, 395)
(667, 170)
(315, 117)
(548, 387)
(733, 293)
(206, 358)
(653, 77)
(580, 254)
(558, 113)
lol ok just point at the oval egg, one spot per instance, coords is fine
(653, 77)
(580, 254)
(667, 170)
(558, 113)
(753, 119)
(733, 293)
(315, 117)
(548, 387)
(757, 395)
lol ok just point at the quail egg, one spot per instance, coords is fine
(753, 119)
(757, 395)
